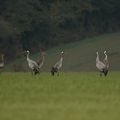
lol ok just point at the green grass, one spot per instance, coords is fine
(71, 96)
(79, 56)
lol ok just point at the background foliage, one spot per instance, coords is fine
(41, 24)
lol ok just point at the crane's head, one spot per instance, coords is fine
(28, 51)
(62, 52)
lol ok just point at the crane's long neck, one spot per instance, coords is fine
(106, 60)
(41, 60)
(106, 57)
(97, 58)
(28, 56)
(61, 58)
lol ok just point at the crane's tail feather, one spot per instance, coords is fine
(36, 71)
(53, 70)
(105, 71)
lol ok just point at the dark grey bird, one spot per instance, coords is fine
(58, 65)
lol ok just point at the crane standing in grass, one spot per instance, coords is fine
(57, 66)
(32, 64)
(101, 66)
(2, 62)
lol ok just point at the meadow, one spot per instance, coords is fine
(70, 96)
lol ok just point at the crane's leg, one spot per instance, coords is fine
(53, 70)
(39, 71)
(52, 73)
(105, 72)
(32, 72)
(0, 71)
(58, 73)
(100, 74)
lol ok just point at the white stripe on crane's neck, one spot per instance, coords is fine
(28, 55)
(61, 59)
(97, 58)
(105, 55)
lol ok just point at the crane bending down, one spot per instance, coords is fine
(32, 64)
(101, 66)
(57, 66)
(2, 61)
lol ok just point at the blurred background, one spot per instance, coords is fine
(78, 27)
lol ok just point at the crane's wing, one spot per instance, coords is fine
(100, 65)
(106, 63)
(58, 65)
(33, 64)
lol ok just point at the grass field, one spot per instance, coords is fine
(71, 96)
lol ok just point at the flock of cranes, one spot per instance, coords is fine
(35, 67)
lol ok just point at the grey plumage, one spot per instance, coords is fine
(32, 64)
(57, 66)
(101, 66)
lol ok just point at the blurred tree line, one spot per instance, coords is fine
(41, 24)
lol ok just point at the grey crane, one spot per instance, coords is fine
(32, 64)
(101, 66)
(58, 65)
